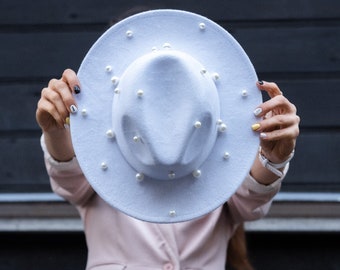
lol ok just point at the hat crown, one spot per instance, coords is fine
(165, 114)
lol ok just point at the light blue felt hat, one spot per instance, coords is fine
(163, 128)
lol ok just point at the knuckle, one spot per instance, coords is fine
(281, 119)
(56, 85)
(274, 85)
(48, 93)
(66, 72)
(53, 96)
(52, 82)
(294, 109)
(43, 91)
(297, 132)
(39, 105)
(68, 75)
(282, 99)
(298, 119)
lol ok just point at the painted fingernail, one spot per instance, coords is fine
(258, 111)
(263, 135)
(260, 82)
(73, 109)
(255, 126)
(76, 89)
(67, 120)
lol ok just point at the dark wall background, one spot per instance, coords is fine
(295, 43)
(292, 42)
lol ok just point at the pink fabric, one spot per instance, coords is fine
(117, 241)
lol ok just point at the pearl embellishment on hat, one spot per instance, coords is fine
(244, 93)
(166, 45)
(202, 26)
(171, 175)
(203, 71)
(198, 124)
(136, 138)
(139, 177)
(117, 91)
(129, 34)
(216, 76)
(226, 155)
(222, 127)
(197, 173)
(104, 166)
(83, 112)
(115, 80)
(140, 93)
(108, 68)
(110, 134)
(172, 213)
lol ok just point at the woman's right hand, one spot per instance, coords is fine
(57, 102)
(53, 111)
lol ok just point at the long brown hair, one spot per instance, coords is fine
(237, 254)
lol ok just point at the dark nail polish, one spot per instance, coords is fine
(76, 89)
(260, 82)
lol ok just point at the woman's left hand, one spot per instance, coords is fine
(279, 127)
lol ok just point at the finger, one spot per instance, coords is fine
(55, 104)
(289, 132)
(61, 94)
(48, 116)
(279, 104)
(276, 122)
(270, 87)
(71, 79)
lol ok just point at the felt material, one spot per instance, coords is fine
(157, 89)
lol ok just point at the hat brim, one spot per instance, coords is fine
(180, 199)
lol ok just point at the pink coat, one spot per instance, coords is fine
(117, 241)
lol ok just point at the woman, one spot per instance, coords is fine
(116, 241)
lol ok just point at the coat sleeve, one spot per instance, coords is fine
(252, 200)
(67, 179)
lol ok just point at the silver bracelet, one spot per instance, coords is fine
(274, 167)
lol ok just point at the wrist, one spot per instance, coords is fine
(275, 167)
(59, 145)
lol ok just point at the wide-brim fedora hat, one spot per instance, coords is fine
(163, 128)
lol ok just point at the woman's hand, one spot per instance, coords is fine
(280, 125)
(57, 102)
(279, 129)
(52, 114)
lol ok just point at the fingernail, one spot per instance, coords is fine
(258, 111)
(73, 109)
(76, 89)
(260, 82)
(255, 126)
(263, 135)
(67, 120)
